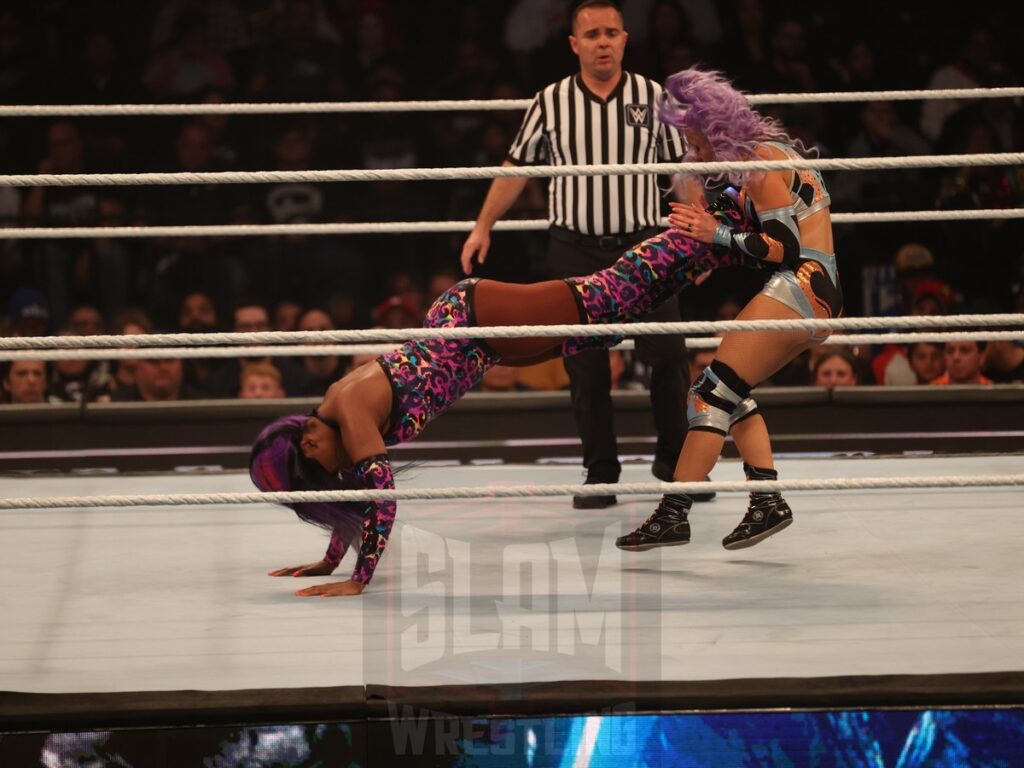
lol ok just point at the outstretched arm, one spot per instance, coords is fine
(373, 472)
(360, 408)
(503, 193)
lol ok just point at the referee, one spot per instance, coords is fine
(600, 115)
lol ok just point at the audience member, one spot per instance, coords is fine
(60, 207)
(964, 361)
(85, 320)
(299, 64)
(130, 321)
(396, 312)
(927, 361)
(322, 370)
(835, 367)
(854, 67)
(1004, 361)
(286, 315)
(20, 79)
(892, 368)
(977, 64)
(251, 316)
(440, 280)
(186, 64)
(746, 48)
(883, 134)
(29, 313)
(79, 381)
(198, 314)
(24, 382)
(260, 380)
(931, 297)
(157, 380)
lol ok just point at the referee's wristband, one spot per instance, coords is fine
(722, 236)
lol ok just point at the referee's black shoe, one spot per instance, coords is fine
(663, 471)
(594, 502)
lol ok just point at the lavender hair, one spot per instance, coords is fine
(705, 102)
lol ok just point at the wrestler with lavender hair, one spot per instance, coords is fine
(343, 443)
(789, 231)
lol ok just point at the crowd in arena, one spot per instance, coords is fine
(89, 52)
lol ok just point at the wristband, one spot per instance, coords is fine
(722, 236)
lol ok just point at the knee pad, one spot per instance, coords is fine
(714, 397)
(744, 410)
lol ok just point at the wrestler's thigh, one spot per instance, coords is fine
(756, 355)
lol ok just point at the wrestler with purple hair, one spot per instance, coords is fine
(343, 443)
(789, 231)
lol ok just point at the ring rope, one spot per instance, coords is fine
(480, 492)
(501, 171)
(327, 350)
(508, 331)
(406, 227)
(450, 105)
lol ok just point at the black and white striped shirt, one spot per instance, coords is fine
(568, 125)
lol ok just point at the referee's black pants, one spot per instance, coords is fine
(590, 373)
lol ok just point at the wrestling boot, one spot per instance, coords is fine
(663, 471)
(767, 514)
(668, 526)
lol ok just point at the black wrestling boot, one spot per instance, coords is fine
(767, 514)
(663, 471)
(668, 526)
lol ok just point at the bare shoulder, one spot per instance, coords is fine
(366, 391)
(358, 382)
(765, 151)
(769, 184)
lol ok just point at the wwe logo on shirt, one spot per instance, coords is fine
(638, 115)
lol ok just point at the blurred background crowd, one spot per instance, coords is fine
(96, 51)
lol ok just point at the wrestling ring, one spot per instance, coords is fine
(898, 586)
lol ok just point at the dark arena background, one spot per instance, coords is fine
(885, 629)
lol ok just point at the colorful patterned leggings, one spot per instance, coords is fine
(428, 376)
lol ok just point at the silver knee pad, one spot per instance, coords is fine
(711, 403)
(744, 410)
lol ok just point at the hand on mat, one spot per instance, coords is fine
(321, 568)
(334, 589)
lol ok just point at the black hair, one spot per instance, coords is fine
(593, 4)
